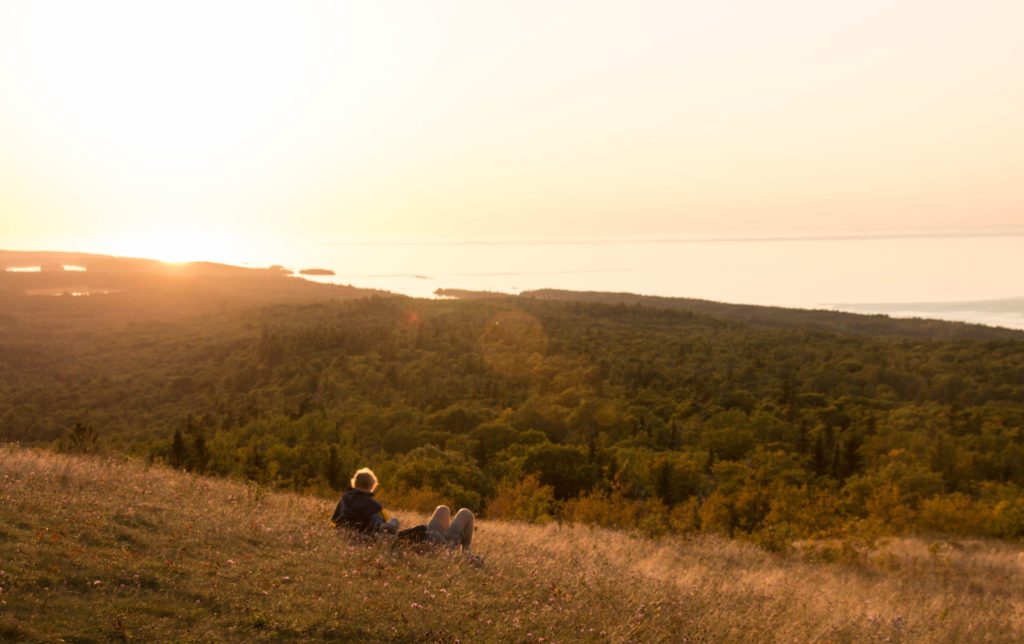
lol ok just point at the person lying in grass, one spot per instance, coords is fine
(446, 531)
(358, 510)
(453, 532)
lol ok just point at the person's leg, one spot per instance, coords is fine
(440, 520)
(460, 529)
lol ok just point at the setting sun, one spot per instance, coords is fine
(176, 245)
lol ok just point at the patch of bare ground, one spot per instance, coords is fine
(108, 548)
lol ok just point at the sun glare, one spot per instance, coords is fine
(145, 80)
(493, 120)
(176, 246)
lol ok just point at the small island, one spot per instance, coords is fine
(316, 271)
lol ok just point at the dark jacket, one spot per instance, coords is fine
(358, 510)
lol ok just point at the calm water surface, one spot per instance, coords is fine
(871, 274)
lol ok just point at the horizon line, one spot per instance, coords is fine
(676, 240)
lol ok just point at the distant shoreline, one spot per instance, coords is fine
(507, 279)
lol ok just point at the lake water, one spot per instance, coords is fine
(952, 277)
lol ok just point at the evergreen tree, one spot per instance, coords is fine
(179, 451)
(82, 439)
(662, 475)
(818, 455)
(851, 456)
(200, 455)
(709, 464)
(255, 465)
(332, 469)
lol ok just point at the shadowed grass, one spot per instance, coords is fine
(98, 549)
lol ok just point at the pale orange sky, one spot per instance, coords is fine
(127, 125)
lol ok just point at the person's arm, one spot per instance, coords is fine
(374, 507)
(339, 512)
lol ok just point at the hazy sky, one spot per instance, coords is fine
(126, 125)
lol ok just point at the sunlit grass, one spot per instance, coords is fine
(110, 548)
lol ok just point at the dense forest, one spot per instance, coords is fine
(655, 414)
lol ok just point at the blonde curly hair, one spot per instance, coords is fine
(365, 479)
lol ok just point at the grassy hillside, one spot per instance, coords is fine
(96, 548)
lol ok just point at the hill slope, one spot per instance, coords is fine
(109, 548)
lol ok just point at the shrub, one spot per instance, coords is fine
(951, 514)
(525, 500)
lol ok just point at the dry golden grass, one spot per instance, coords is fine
(94, 549)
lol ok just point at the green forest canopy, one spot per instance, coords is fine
(661, 414)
